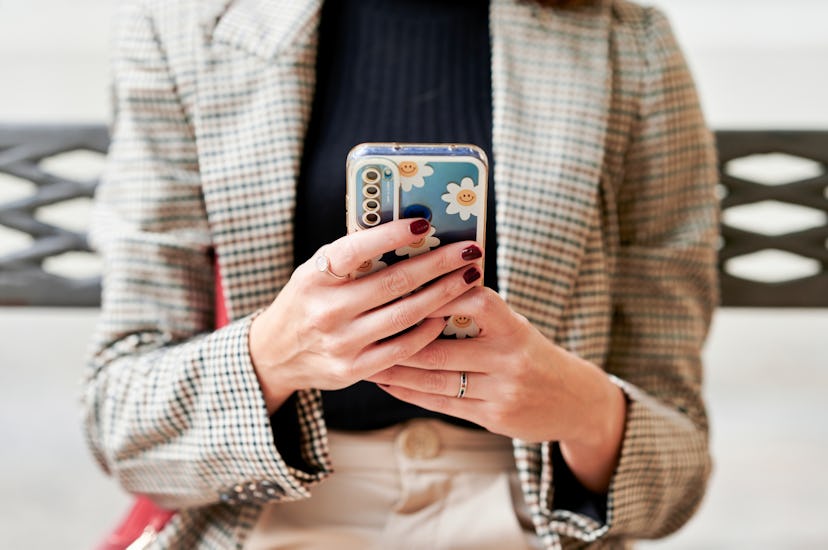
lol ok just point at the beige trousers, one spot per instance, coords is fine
(422, 485)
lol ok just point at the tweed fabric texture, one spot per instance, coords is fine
(607, 216)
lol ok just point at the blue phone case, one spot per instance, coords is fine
(444, 183)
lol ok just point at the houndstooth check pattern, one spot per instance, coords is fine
(607, 217)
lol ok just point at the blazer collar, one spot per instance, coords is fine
(262, 27)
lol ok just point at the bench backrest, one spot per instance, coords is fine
(762, 264)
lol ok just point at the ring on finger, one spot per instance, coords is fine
(464, 384)
(323, 264)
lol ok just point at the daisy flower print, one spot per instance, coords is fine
(421, 246)
(463, 199)
(413, 175)
(461, 326)
(369, 266)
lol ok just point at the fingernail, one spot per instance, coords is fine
(471, 275)
(471, 253)
(418, 227)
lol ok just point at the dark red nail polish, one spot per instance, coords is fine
(471, 253)
(418, 227)
(471, 275)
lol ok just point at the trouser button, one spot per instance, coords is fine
(419, 441)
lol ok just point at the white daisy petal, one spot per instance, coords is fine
(413, 175)
(464, 199)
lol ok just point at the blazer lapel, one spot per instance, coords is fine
(262, 27)
(551, 79)
(255, 88)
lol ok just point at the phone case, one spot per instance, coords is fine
(444, 183)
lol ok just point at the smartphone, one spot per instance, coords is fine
(443, 183)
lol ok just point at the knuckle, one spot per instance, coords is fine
(445, 260)
(453, 287)
(402, 317)
(336, 346)
(523, 322)
(484, 301)
(398, 352)
(435, 357)
(319, 318)
(347, 252)
(510, 397)
(434, 382)
(342, 373)
(335, 310)
(391, 376)
(517, 369)
(300, 278)
(395, 282)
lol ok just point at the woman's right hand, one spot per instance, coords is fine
(327, 333)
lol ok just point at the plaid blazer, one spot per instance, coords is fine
(607, 218)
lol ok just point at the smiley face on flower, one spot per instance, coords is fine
(420, 246)
(461, 326)
(412, 174)
(369, 266)
(463, 199)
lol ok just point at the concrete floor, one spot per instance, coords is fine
(766, 390)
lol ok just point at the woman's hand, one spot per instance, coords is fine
(519, 384)
(328, 333)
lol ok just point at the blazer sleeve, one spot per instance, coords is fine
(665, 290)
(171, 408)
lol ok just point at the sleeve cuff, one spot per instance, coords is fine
(651, 490)
(250, 466)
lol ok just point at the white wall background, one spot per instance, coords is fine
(759, 64)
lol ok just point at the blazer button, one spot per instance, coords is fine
(419, 441)
(270, 489)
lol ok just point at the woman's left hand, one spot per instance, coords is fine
(519, 384)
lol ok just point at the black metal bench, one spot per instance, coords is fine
(27, 280)
(24, 279)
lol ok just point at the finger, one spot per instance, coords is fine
(465, 408)
(347, 253)
(442, 382)
(400, 315)
(486, 307)
(382, 355)
(448, 355)
(404, 277)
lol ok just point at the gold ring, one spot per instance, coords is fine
(323, 264)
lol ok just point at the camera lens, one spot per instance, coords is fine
(370, 205)
(370, 218)
(371, 191)
(371, 175)
(417, 211)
